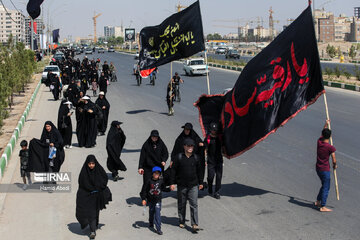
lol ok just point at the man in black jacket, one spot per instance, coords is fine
(186, 172)
(153, 153)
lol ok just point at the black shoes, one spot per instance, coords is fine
(159, 232)
(92, 235)
(217, 195)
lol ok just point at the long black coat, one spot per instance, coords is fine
(90, 124)
(93, 193)
(114, 144)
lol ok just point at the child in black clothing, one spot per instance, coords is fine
(153, 194)
(24, 161)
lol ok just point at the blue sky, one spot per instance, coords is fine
(74, 17)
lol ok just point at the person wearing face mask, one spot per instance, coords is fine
(93, 194)
(64, 122)
(153, 153)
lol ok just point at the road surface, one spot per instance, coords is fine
(267, 192)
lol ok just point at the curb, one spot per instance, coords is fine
(326, 83)
(16, 134)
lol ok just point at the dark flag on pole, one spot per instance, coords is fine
(33, 8)
(282, 80)
(56, 35)
(179, 36)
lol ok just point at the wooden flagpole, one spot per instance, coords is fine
(207, 72)
(331, 142)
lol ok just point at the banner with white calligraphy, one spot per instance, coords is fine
(179, 36)
(282, 80)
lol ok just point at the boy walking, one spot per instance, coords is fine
(324, 151)
(152, 193)
(24, 161)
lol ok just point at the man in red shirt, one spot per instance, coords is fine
(324, 151)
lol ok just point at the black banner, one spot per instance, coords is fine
(179, 36)
(274, 87)
(33, 8)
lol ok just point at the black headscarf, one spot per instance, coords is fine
(54, 135)
(92, 179)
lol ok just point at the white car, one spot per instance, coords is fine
(195, 66)
(88, 51)
(53, 68)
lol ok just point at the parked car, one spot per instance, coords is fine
(232, 54)
(53, 68)
(88, 51)
(111, 49)
(221, 50)
(101, 50)
(195, 66)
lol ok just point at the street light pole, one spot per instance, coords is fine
(32, 33)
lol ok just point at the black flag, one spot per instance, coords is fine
(33, 8)
(282, 80)
(179, 36)
(56, 35)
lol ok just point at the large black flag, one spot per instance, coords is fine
(282, 80)
(179, 36)
(33, 8)
(56, 35)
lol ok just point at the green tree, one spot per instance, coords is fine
(352, 52)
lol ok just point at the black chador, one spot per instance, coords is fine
(39, 150)
(64, 122)
(93, 193)
(114, 144)
(90, 112)
(104, 105)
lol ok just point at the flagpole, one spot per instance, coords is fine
(331, 142)
(207, 72)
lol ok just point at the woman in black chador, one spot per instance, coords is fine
(92, 195)
(104, 106)
(51, 137)
(114, 144)
(64, 122)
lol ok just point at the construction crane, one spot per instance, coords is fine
(94, 19)
(271, 24)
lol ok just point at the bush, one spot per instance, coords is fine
(337, 71)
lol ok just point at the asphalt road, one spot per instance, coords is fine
(350, 67)
(267, 192)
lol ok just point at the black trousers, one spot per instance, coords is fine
(93, 224)
(214, 169)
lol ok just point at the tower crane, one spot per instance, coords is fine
(94, 19)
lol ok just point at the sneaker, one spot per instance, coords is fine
(116, 178)
(195, 228)
(25, 186)
(181, 225)
(70, 147)
(159, 232)
(92, 235)
(217, 195)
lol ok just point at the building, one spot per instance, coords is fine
(355, 30)
(109, 31)
(12, 23)
(342, 28)
(326, 28)
(39, 27)
(119, 31)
